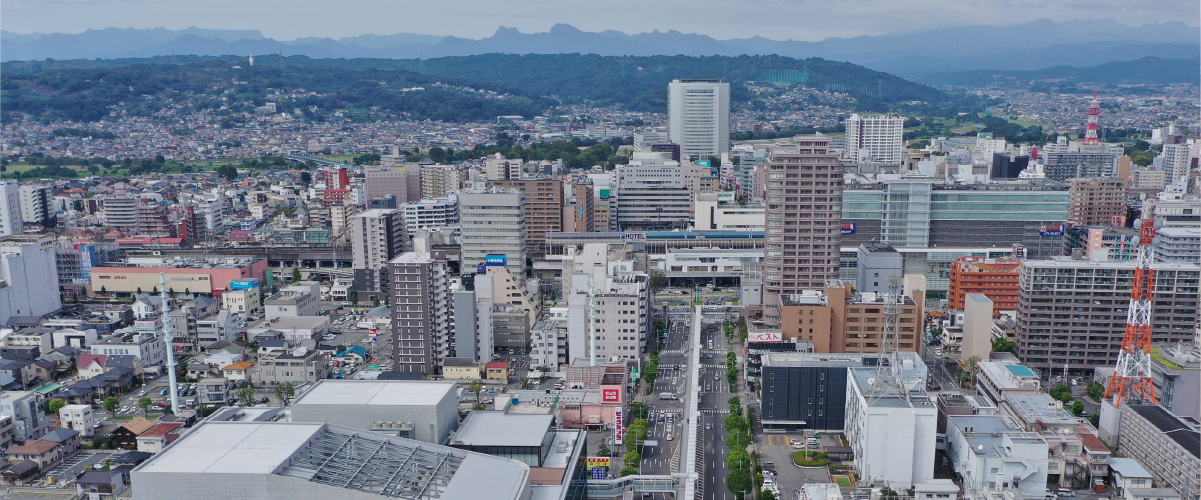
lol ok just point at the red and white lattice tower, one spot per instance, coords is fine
(1094, 114)
(1132, 378)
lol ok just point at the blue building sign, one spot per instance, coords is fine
(245, 284)
(496, 260)
(848, 228)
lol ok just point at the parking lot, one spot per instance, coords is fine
(76, 465)
(777, 448)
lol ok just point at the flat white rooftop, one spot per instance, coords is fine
(376, 392)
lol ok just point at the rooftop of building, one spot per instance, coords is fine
(1172, 426)
(414, 258)
(183, 263)
(376, 393)
(497, 428)
(916, 396)
(1007, 376)
(986, 433)
(1040, 407)
(1064, 262)
(1128, 467)
(340, 457)
(790, 359)
(292, 322)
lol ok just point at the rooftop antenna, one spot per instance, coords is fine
(168, 337)
(887, 380)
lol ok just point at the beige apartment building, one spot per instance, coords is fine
(835, 320)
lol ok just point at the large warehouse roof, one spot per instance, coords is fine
(376, 392)
(342, 457)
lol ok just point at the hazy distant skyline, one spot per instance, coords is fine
(807, 20)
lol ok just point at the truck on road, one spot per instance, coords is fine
(668, 395)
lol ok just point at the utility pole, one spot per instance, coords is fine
(168, 338)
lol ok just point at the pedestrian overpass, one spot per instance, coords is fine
(616, 488)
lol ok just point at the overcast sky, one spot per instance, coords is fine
(721, 19)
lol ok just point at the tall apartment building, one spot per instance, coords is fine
(422, 312)
(582, 205)
(153, 222)
(379, 236)
(35, 205)
(1165, 444)
(804, 215)
(644, 140)
(699, 117)
(10, 209)
(1097, 201)
(1061, 166)
(499, 168)
(1073, 312)
(402, 181)
(875, 138)
(608, 295)
(430, 213)
(439, 181)
(1177, 244)
(544, 203)
(493, 224)
(996, 279)
(1177, 161)
(121, 213)
(835, 320)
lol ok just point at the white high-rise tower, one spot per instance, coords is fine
(875, 138)
(699, 117)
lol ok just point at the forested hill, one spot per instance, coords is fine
(452, 88)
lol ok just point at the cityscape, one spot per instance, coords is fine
(693, 273)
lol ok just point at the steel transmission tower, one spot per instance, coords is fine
(1094, 115)
(1132, 378)
(888, 379)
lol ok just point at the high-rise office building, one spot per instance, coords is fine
(875, 138)
(699, 117)
(428, 213)
(1097, 201)
(379, 236)
(654, 192)
(422, 312)
(1089, 162)
(543, 199)
(804, 215)
(493, 224)
(582, 204)
(10, 209)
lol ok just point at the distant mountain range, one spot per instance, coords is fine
(1030, 46)
(1147, 70)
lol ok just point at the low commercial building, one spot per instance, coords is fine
(555, 456)
(1164, 443)
(893, 433)
(460, 369)
(25, 408)
(809, 390)
(299, 461)
(194, 276)
(295, 329)
(422, 410)
(302, 298)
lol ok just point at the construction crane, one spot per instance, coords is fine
(1132, 378)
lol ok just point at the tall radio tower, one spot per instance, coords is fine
(1132, 378)
(888, 379)
(169, 337)
(1094, 114)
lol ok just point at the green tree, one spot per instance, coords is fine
(111, 404)
(1061, 392)
(1002, 345)
(306, 178)
(738, 459)
(54, 405)
(1095, 391)
(628, 470)
(285, 392)
(739, 481)
(1077, 407)
(144, 403)
(245, 396)
(632, 458)
(353, 296)
(476, 388)
(603, 450)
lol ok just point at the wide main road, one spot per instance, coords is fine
(714, 406)
(664, 457)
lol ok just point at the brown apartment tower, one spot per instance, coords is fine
(804, 220)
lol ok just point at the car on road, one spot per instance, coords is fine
(716, 376)
(708, 425)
